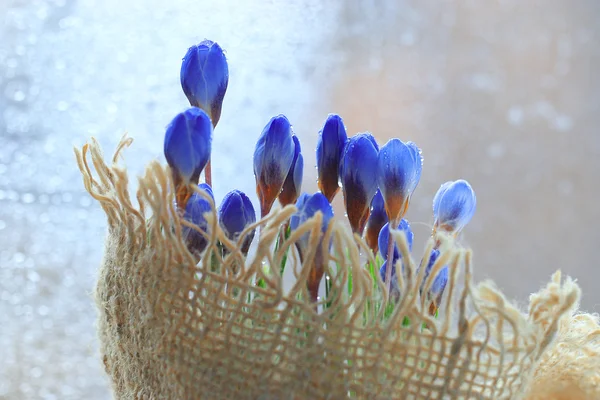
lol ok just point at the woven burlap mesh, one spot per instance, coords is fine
(173, 327)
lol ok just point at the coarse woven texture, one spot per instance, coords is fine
(172, 327)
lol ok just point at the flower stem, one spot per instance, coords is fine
(208, 173)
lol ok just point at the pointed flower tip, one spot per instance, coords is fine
(453, 206)
(293, 182)
(204, 77)
(188, 144)
(330, 147)
(236, 212)
(399, 168)
(273, 157)
(308, 206)
(439, 283)
(358, 171)
(384, 238)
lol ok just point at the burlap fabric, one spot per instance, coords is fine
(174, 328)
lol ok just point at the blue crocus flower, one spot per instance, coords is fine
(235, 214)
(358, 171)
(377, 219)
(384, 238)
(187, 149)
(439, 283)
(195, 209)
(273, 157)
(204, 77)
(295, 219)
(398, 173)
(293, 182)
(307, 207)
(453, 206)
(330, 147)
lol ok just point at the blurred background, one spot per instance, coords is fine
(504, 94)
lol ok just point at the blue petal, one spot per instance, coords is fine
(195, 209)
(398, 172)
(440, 281)
(418, 159)
(315, 203)
(308, 206)
(377, 219)
(394, 287)
(273, 157)
(438, 198)
(384, 238)
(235, 214)
(454, 205)
(293, 182)
(359, 178)
(188, 143)
(204, 77)
(295, 219)
(330, 146)
(207, 189)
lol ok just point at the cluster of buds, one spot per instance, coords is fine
(377, 182)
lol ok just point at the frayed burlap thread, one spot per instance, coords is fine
(174, 327)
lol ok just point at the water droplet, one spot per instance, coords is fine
(496, 150)
(59, 64)
(407, 38)
(33, 276)
(112, 108)
(515, 115)
(563, 123)
(62, 106)
(544, 109)
(19, 96)
(28, 198)
(18, 257)
(122, 57)
(565, 188)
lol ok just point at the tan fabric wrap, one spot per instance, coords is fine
(170, 328)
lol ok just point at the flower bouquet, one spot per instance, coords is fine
(193, 303)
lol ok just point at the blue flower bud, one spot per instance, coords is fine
(307, 207)
(399, 168)
(330, 148)
(293, 182)
(358, 171)
(453, 206)
(384, 238)
(273, 157)
(235, 214)
(187, 149)
(195, 209)
(377, 219)
(394, 286)
(434, 296)
(204, 77)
